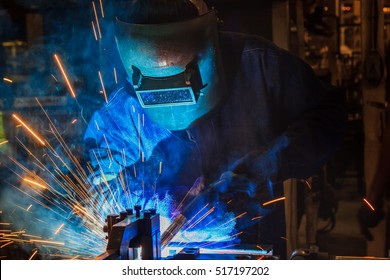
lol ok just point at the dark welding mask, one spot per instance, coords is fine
(173, 67)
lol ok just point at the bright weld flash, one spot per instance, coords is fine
(274, 200)
(369, 204)
(65, 76)
(29, 129)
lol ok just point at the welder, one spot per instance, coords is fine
(229, 116)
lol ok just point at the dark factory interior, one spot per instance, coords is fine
(63, 61)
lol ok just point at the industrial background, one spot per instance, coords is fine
(334, 36)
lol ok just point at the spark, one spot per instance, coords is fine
(94, 31)
(74, 121)
(65, 76)
(35, 183)
(104, 90)
(4, 142)
(101, 8)
(284, 238)
(29, 129)
(308, 184)
(58, 229)
(139, 135)
(30, 235)
(201, 218)
(97, 126)
(369, 204)
(110, 157)
(256, 218)
(47, 242)
(274, 200)
(7, 80)
(54, 77)
(85, 213)
(29, 207)
(261, 248)
(235, 218)
(35, 252)
(6, 244)
(160, 168)
(5, 224)
(115, 77)
(97, 19)
(135, 171)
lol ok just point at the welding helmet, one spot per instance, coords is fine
(174, 68)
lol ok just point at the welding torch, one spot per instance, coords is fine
(229, 185)
(208, 197)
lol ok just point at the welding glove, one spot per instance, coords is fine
(369, 218)
(247, 175)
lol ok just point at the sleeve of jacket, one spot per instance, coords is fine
(111, 139)
(311, 116)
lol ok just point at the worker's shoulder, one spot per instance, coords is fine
(242, 42)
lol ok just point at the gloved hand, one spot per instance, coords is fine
(230, 185)
(369, 219)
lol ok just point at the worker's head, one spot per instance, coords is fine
(170, 52)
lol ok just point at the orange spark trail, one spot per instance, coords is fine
(101, 8)
(65, 76)
(308, 184)
(35, 183)
(74, 121)
(104, 90)
(274, 200)
(256, 218)
(35, 252)
(261, 248)
(58, 230)
(369, 204)
(235, 218)
(94, 31)
(115, 77)
(7, 80)
(29, 129)
(4, 142)
(6, 244)
(97, 19)
(46, 242)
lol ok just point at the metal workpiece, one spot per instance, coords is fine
(133, 236)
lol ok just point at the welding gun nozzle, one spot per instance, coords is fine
(173, 229)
